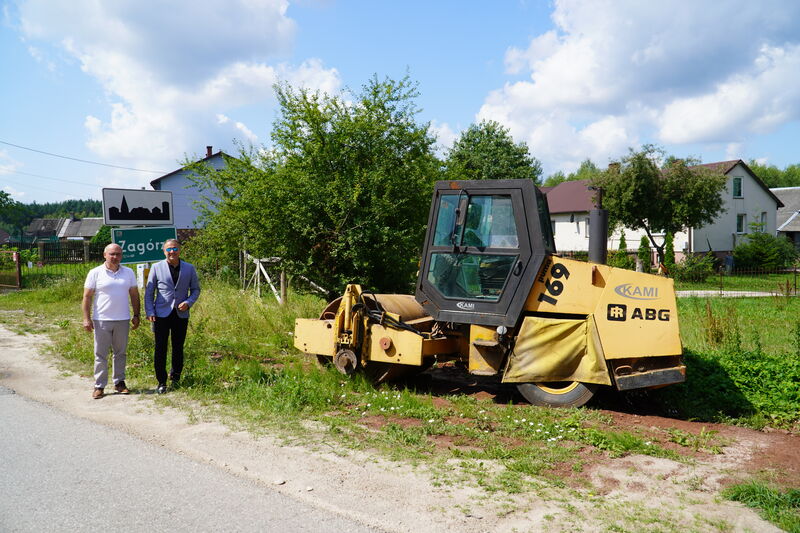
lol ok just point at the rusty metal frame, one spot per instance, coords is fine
(17, 268)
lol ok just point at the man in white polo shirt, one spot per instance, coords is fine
(106, 293)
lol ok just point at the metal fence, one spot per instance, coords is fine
(44, 262)
(747, 282)
(60, 252)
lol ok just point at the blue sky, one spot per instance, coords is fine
(130, 84)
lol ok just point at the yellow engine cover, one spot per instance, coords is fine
(635, 313)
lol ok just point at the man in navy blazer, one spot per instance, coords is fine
(172, 288)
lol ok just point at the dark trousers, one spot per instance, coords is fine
(163, 327)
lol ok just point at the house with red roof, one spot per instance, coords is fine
(748, 206)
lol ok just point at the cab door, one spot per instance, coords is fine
(484, 246)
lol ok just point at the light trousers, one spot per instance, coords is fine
(110, 335)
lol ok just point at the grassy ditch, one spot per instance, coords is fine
(241, 365)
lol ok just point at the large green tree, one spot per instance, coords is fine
(343, 194)
(772, 176)
(5, 201)
(587, 171)
(14, 216)
(487, 151)
(640, 194)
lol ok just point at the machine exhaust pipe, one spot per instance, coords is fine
(598, 230)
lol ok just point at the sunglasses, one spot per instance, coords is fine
(172, 249)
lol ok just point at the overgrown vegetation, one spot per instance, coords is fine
(780, 507)
(241, 367)
(343, 194)
(737, 370)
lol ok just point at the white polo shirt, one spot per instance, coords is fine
(111, 292)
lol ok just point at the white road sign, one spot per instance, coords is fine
(137, 207)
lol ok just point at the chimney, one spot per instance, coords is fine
(208, 151)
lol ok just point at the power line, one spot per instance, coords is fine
(29, 186)
(81, 160)
(49, 178)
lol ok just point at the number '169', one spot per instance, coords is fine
(554, 287)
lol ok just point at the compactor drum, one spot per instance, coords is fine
(493, 294)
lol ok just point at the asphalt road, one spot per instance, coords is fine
(61, 473)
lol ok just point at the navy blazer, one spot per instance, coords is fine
(161, 295)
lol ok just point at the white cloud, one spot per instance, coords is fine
(757, 100)
(734, 151)
(15, 194)
(169, 72)
(445, 136)
(7, 163)
(615, 73)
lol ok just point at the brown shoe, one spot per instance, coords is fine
(121, 388)
(98, 393)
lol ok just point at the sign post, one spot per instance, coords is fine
(142, 245)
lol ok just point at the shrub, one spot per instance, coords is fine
(103, 236)
(644, 253)
(25, 256)
(694, 268)
(620, 258)
(764, 251)
(669, 252)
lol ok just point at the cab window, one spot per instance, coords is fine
(490, 223)
(445, 224)
(470, 276)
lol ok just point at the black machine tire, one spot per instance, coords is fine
(557, 394)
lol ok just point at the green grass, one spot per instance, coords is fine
(782, 508)
(743, 362)
(45, 275)
(241, 367)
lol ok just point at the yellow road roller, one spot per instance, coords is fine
(493, 294)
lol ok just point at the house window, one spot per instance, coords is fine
(587, 228)
(737, 187)
(763, 221)
(741, 223)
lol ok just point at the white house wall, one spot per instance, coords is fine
(680, 241)
(185, 193)
(574, 236)
(570, 236)
(721, 233)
